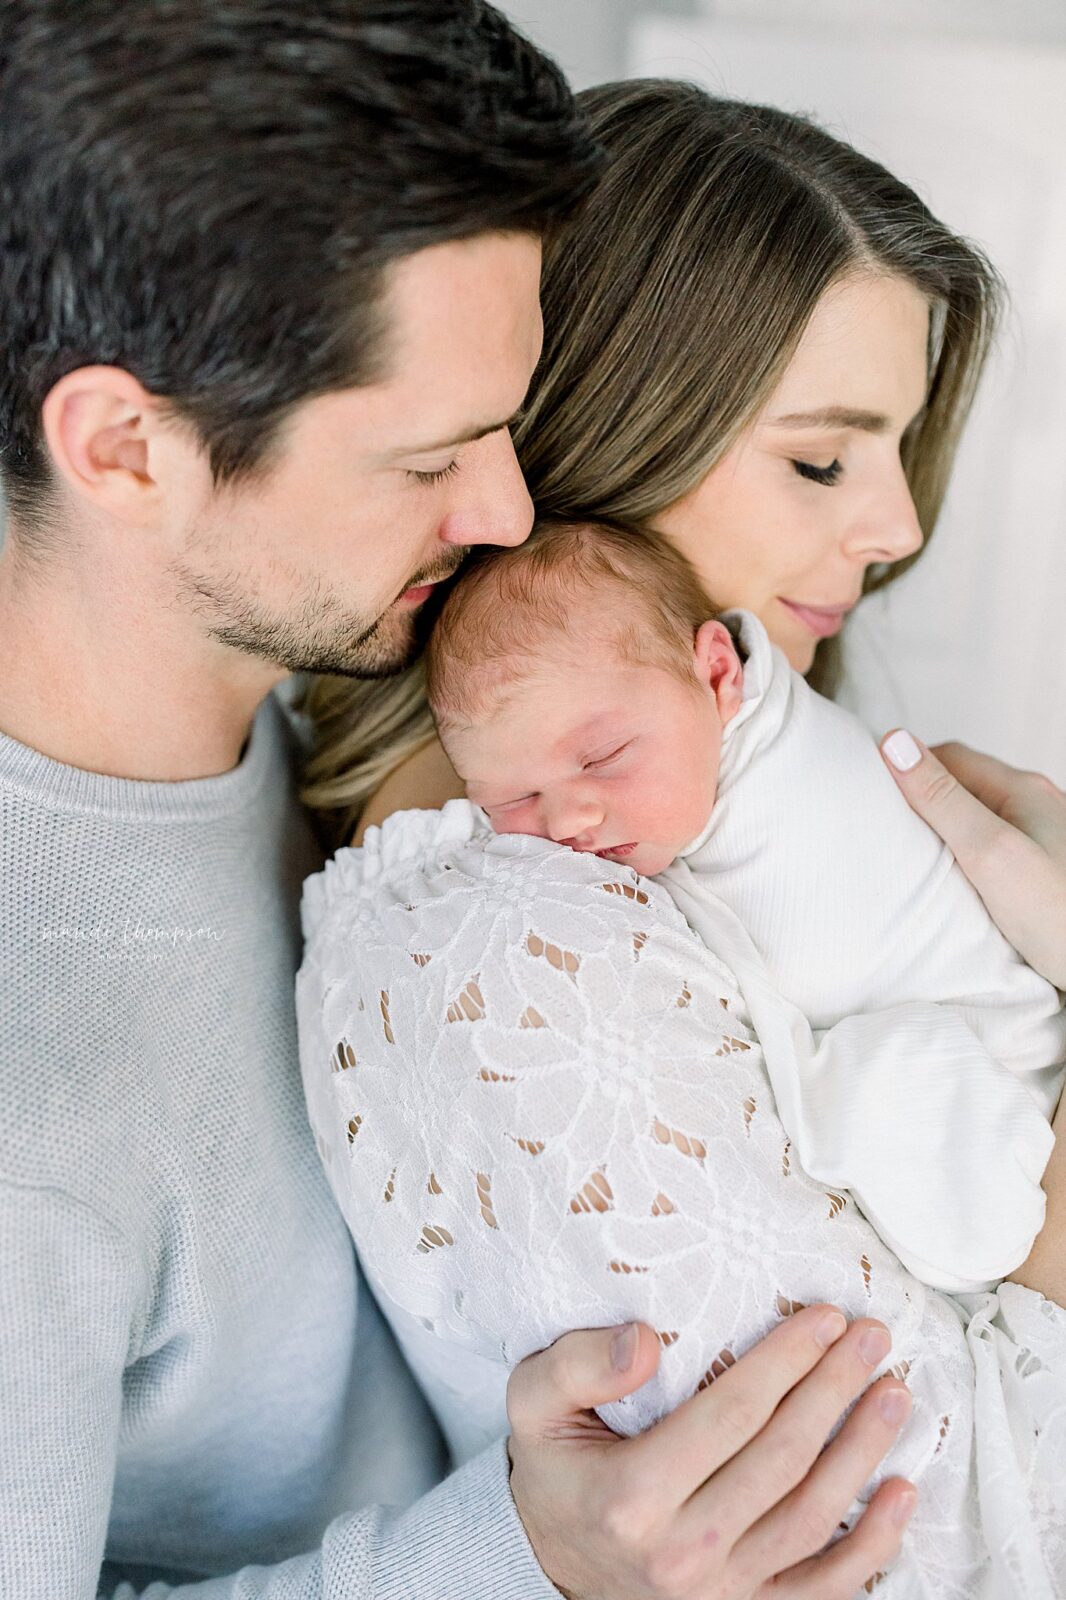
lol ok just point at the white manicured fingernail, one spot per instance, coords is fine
(901, 750)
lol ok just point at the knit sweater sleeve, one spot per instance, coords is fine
(66, 1315)
(66, 1338)
(462, 1541)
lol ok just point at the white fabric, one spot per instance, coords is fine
(539, 1109)
(837, 907)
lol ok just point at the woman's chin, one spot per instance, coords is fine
(800, 653)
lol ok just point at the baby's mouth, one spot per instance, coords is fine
(617, 849)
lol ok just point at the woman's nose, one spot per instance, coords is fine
(492, 504)
(889, 530)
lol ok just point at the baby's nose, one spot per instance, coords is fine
(576, 825)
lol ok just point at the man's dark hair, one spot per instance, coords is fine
(205, 193)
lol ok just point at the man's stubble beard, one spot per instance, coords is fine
(319, 636)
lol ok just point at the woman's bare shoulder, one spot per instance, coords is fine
(424, 781)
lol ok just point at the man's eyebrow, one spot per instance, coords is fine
(457, 439)
(834, 417)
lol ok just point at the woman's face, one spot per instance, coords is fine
(813, 492)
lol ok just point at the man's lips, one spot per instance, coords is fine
(420, 591)
(823, 621)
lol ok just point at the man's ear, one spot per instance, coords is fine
(718, 667)
(105, 434)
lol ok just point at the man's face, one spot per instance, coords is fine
(378, 489)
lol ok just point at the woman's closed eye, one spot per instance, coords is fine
(823, 475)
(436, 476)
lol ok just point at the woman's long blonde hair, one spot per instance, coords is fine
(673, 302)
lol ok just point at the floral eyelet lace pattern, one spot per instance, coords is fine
(540, 1110)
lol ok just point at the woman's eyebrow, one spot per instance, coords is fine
(833, 417)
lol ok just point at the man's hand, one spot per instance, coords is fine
(1006, 829)
(729, 1497)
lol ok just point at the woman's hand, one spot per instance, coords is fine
(1006, 829)
(729, 1497)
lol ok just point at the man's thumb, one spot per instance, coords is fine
(587, 1368)
(967, 827)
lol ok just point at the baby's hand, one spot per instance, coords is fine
(1006, 829)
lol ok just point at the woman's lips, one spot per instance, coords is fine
(823, 621)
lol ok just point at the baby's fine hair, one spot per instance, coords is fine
(506, 607)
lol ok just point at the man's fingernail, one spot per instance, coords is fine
(895, 1405)
(830, 1329)
(901, 750)
(624, 1347)
(904, 1507)
(875, 1345)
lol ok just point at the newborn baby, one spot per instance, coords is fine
(540, 1104)
(586, 692)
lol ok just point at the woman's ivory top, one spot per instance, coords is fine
(915, 1059)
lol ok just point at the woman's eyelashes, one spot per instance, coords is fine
(824, 475)
(437, 476)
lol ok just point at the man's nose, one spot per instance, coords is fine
(492, 504)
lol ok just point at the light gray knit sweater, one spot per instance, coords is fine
(193, 1378)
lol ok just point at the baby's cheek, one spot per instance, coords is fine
(668, 801)
(692, 809)
(524, 820)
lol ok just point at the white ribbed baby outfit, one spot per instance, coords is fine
(195, 1383)
(915, 1059)
(541, 1106)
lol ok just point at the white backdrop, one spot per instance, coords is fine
(972, 643)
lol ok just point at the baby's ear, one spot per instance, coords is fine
(718, 666)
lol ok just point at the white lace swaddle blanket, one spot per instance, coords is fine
(539, 1110)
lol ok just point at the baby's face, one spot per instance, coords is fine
(613, 759)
